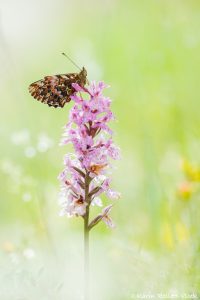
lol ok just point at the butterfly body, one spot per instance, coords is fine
(57, 90)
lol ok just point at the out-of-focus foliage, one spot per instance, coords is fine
(148, 51)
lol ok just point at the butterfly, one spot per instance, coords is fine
(56, 90)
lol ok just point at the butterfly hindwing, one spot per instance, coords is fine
(53, 90)
(56, 90)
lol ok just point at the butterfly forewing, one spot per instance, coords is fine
(56, 90)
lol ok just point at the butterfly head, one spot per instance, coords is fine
(83, 76)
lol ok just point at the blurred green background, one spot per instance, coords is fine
(148, 52)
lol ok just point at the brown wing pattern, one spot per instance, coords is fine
(56, 90)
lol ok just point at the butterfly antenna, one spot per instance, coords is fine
(71, 61)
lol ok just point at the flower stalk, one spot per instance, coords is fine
(86, 173)
(86, 241)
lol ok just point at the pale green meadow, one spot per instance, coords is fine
(148, 52)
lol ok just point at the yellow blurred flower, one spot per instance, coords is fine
(185, 190)
(191, 171)
(173, 234)
(182, 232)
(167, 236)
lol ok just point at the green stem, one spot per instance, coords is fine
(86, 240)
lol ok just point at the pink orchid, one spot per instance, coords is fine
(85, 176)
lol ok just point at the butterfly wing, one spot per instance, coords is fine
(54, 90)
